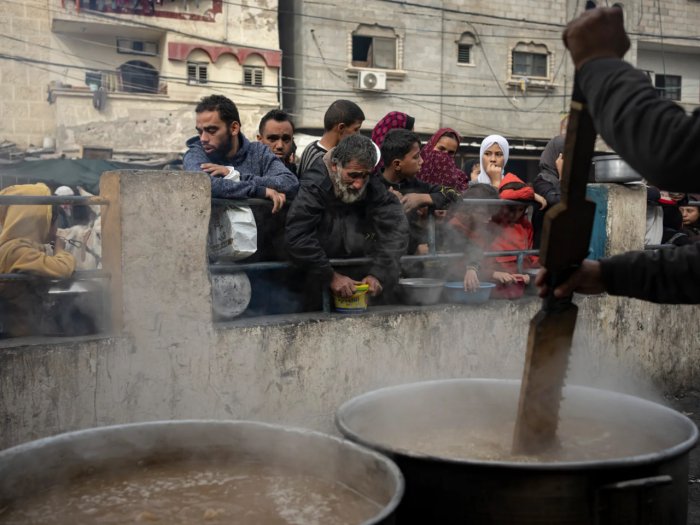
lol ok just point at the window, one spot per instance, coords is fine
(465, 44)
(253, 76)
(529, 64)
(530, 60)
(668, 86)
(139, 77)
(374, 46)
(464, 54)
(197, 73)
(136, 47)
(93, 79)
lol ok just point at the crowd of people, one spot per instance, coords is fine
(351, 196)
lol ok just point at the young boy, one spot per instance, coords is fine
(342, 118)
(402, 162)
(25, 229)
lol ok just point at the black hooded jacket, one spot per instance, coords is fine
(321, 227)
(659, 140)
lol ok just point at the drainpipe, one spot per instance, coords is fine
(442, 59)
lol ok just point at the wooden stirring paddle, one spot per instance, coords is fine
(566, 235)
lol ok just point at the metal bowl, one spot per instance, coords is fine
(455, 293)
(421, 291)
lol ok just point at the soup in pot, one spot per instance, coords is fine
(194, 492)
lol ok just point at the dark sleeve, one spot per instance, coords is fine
(547, 188)
(442, 196)
(391, 228)
(668, 276)
(275, 174)
(654, 135)
(301, 237)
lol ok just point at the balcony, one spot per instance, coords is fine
(201, 10)
(133, 77)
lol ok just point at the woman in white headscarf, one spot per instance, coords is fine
(493, 156)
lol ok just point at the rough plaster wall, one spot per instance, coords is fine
(299, 373)
(137, 125)
(25, 117)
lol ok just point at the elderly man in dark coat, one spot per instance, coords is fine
(342, 211)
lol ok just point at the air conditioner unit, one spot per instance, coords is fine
(372, 80)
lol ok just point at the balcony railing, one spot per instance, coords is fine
(127, 7)
(202, 10)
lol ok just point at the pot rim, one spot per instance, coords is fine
(629, 461)
(28, 448)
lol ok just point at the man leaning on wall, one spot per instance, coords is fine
(239, 168)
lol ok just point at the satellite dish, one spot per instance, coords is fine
(370, 80)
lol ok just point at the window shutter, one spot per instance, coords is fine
(191, 73)
(464, 54)
(203, 75)
(258, 77)
(248, 76)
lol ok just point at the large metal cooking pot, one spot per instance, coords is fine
(643, 487)
(29, 468)
(74, 308)
(611, 168)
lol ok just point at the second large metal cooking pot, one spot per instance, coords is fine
(649, 485)
(611, 168)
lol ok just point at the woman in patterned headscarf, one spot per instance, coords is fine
(438, 161)
(392, 120)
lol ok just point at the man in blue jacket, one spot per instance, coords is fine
(239, 169)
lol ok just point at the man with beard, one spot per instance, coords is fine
(276, 131)
(239, 169)
(342, 211)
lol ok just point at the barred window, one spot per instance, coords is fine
(253, 76)
(197, 73)
(464, 53)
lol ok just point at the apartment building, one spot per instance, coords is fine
(127, 74)
(479, 67)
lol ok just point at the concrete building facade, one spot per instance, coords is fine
(127, 75)
(479, 67)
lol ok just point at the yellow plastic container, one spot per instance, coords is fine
(356, 303)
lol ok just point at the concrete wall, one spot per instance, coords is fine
(25, 116)
(167, 361)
